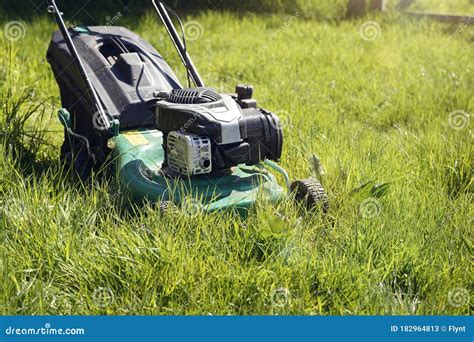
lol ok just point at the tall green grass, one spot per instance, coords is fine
(320, 9)
(445, 6)
(397, 240)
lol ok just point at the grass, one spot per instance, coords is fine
(445, 6)
(397, 240)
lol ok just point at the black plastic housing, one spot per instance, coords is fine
(261, 136)
(261, 129)
(125, 70)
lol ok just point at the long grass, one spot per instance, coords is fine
(398, 168)
(445, 6)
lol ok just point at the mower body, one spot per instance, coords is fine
(127, 73)
(139, 156)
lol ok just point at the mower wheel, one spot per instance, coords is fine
(311, 193)
(165, 207)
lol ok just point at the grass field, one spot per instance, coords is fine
(384, 103)
(445, 6)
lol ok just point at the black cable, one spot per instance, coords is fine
(119, 44)
(186, 64)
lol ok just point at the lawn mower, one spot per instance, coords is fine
(123, 106)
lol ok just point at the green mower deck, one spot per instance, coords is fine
(139, 155)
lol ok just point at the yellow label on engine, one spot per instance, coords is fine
(135, 138)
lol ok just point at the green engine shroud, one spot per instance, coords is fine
(139, 154)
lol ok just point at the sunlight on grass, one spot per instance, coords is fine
(445, 6)
(389, 120)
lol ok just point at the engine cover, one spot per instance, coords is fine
(201, 111)
(236, 135)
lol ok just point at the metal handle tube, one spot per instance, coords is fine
(280, 170)
(185, 58)
(53, 8)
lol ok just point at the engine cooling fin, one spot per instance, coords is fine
(193, 96)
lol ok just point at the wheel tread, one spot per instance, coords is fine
(312, 192)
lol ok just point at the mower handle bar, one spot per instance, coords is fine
(185, 58)
(53, 8)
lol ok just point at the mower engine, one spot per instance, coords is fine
(209, 133)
